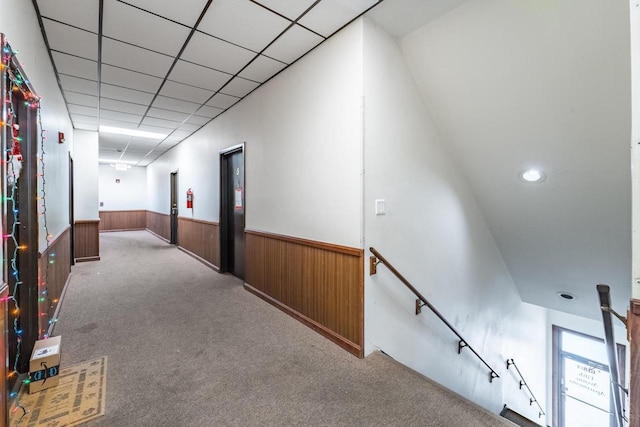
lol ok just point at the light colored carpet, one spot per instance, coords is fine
(190, 347)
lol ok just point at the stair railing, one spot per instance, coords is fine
(610, 342)
(532, 399)
(422, 302)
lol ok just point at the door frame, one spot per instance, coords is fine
(174, 186)
(71, 211)
(224, 207)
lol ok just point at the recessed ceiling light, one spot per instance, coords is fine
(566, 295)
(533, 176)
(132, 132)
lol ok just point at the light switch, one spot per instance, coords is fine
(381, 208)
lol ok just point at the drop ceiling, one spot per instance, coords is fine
(171, 67)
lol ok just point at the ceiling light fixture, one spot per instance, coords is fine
(132, 132)
(533, 176)
(566, 295)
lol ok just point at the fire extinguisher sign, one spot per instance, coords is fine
(238, 203)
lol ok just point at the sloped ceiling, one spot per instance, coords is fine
(545, 84)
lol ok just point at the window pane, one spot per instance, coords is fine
(585, 347)
(586, 383)
(577, 414)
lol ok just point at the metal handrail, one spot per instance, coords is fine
(610, 342)
(422, 301)
(511, 362)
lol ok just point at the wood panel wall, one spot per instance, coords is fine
(123, 220)
(54, 267)
(200, 238)
(159, 224)
(634, 364)
(86, 243)
(320, 284)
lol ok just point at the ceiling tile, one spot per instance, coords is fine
(209, 112)
(239, 87)
(198, 120)
(125, 107)
(118, 123)
(290, 9)
(132, 25)
(131, 79)
(262, 69)
(163, 123)
(185, 11)
(294, 43)
(243, 23)
(159, 113)
(155, 129)
(117, 115)
(330, 15)
(222, 101)
(76, 84)
(113, 141)
(74, 66)
(87, 120)
(220, 55)
(197, 75)
(189, 127)
(81, 99)
(80, 109)
(85, 126)
(81, 13)
(124, 94)
(135, 58)
(181, 134)
(185, 92)
(71, 40)
(175, 104)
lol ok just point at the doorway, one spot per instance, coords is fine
(582, 392)
(232, 211)
(173, 221)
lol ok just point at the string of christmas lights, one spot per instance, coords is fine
(17, 83)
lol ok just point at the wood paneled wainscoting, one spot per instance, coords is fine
(201, 239)
(159, 224)
(320, 284)
(54, 267)
(123, 220)
(86, 243)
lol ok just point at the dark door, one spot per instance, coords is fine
(71, 214)
(232, 212)
(174, 209)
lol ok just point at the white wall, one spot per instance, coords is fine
(130, 193)
(435, 234)
(85, 164)
(635, 141)
(19, 24)
(302, 132)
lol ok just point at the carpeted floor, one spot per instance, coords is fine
(190, 347)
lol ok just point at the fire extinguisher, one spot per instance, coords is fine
(189, 199)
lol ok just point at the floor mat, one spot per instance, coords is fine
(78, 398)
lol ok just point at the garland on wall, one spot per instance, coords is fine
(17, 90)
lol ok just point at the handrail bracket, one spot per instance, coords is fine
(419, 305)
(492, 376)
(462, 344)
(373, 265)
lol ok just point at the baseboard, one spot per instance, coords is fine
(60, 300)
(352, 348)
(202, 260)
(157, 235)
(88, 258)
(123, 229)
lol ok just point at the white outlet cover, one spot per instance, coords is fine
(381, 207)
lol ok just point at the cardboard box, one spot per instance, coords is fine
(44, 365)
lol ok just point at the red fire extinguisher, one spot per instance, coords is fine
(189, 199)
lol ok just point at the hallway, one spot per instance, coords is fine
(187, 346)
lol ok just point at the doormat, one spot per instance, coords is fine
(78, 398)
